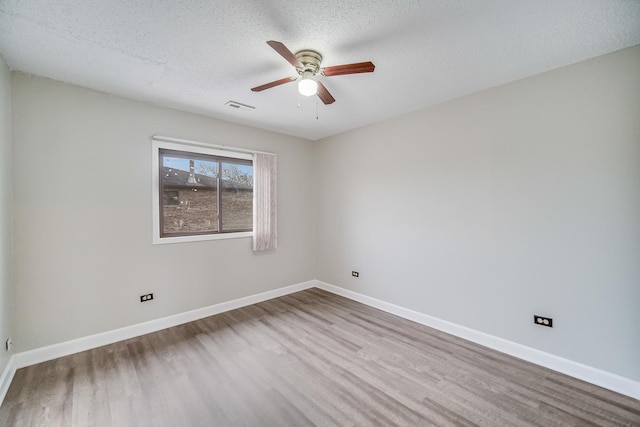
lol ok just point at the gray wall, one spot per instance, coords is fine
(519, 200)
(6, 212)
(481, 211)
(83, 252)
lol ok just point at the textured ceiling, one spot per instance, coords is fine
(196, 55)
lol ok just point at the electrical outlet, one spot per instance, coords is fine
(355, 274)
(146, 297)
(8, 344)
(543, 321)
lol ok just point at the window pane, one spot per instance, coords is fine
(237, 197)
(192, 181)
(202, 193)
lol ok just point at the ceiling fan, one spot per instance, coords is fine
(307, 63)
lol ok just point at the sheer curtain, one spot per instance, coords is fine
(265, 230)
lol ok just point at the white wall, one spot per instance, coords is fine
(483, 211)
(83, 252)
(6, 210)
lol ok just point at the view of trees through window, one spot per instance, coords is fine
(202, 194)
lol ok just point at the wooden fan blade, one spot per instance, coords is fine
(360, 67)
(272, 84)
(285, 53)
(324, 94)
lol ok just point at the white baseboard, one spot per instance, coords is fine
(5, 379)
(578, 370)
(42, 354)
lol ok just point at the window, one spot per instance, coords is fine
(201, 193)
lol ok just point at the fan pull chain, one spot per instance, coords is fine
(317, 116)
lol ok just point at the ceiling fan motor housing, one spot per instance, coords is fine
(311, 61)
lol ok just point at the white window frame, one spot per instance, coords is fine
(156, 146)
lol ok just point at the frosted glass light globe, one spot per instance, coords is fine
(307, 87)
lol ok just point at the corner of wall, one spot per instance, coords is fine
(6, 220)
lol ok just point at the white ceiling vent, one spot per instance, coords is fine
(240, 106)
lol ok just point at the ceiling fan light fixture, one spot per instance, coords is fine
(307, 86)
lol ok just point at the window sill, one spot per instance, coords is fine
(200, 238)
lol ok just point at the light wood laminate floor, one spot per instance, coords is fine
(310, 358)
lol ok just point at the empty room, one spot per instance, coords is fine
(276, 213)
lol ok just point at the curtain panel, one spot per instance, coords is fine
(265, 230)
